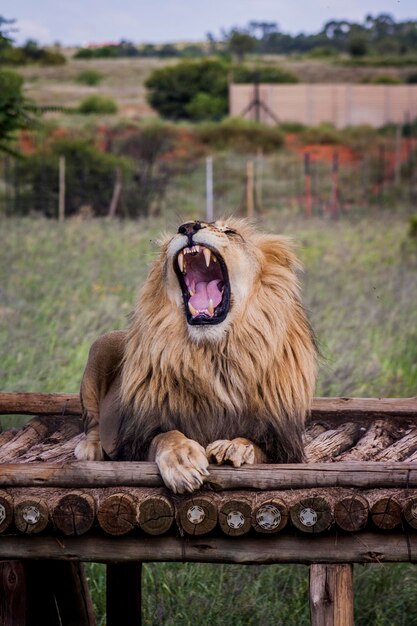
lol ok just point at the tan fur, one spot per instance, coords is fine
(251, 376)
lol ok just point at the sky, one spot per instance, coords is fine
(79, 22)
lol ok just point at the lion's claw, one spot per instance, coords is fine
(237, 452)
(88, 450)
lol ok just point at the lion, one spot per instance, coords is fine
(217, 365)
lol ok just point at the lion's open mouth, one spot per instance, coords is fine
(204, 281)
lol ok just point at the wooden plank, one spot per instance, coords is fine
(93, 474)
(363, 547)
(331, 595)
(69, 404)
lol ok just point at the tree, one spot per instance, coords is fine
(14, 108)
(240, 43)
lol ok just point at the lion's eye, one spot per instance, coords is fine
(229, 231)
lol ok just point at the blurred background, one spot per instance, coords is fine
(116, 125)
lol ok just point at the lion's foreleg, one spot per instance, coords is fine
(235, 451)
(182, 462)
(89, 448)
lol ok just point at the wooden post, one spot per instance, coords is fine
(258, 179)
(123, 594)
(198, 515)
(249, 189)
(331, 595)
(117, 513)
(312, 515)
(74, 513)
(117, 190)
(61, 213)
(307, 185)
(12, 594)
(397, 163)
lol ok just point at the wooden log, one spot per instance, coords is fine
(198, 515)
(364, 547)
(270, 516)
(385, 513)
(18, 403)
(123, 594)
(31, 514)
(401, 449)
(379, 436)
(74, 513)
(6, 511)
(117, 513)
(331, 595)
(351, 512)
(12, 594)
(94, 474)
(155, 515)
(312, 514)
(333, 442)
(7, 435)
(322, 408)
(31, 433)
(410, 511)
(235, 517)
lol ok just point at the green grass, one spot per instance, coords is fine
(63, 285)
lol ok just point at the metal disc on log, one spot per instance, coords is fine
(31, 515)
(410, 512)
(312, 515)
(156, 514)
(270, 517)
(351, 512)
(74, 513)
(386, 513)
(198, 515)
(6, 511)
(117, 513)
(235, 517)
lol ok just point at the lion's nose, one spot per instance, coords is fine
(189, 228)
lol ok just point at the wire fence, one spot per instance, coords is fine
(225, 183)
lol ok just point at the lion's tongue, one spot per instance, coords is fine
(204, 292)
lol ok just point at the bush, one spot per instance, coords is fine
(172, 89)
(358, 46)
(102, 105)
(240, 135)
(90, 77)
(205, 107)
(323, 134)
(89, 178)
(262, 74)
(14, 108)
(385, 79)
(411, 79)
(412, 231)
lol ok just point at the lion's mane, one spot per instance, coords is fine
(256, 381)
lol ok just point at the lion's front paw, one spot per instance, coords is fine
(183, 466)
(237, 452)
(88, 450)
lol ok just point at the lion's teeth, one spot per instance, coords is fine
(207, 255)
(197, 248)
(210, 308)
(181, 261)
(193, 311)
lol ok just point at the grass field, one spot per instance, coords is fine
(62, 285)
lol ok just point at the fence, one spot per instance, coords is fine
(55, 514)
(314, 180)
(311, 104)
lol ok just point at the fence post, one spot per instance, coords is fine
(258, 179)
(249, 189)
(123, 594)
(61, 209)
(117, 190)
(334, 202)
(331, 595)
(209, 189)
(307, 184)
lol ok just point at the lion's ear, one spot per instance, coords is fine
(278, 250)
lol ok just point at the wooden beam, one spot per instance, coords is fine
(331, 595)
(80, 474)
(69, 404)
(364, 547)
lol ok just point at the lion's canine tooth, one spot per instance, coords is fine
(193, 311)
(181, 261)
(207, 255)
(210, 308)
(197, 248)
